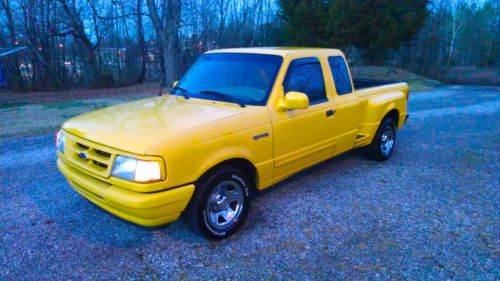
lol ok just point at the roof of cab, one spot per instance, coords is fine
(281, 51)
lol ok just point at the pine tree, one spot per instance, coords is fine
(373, 26)
(305, 21)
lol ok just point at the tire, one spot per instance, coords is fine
(382, 145)
(220, 203)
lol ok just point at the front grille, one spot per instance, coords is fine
(90, 156)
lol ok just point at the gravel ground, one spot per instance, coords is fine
(431, 212)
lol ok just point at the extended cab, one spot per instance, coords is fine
(239, 121)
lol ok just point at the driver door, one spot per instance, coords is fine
(303, 137)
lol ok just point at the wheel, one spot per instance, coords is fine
(383, 143)
(219, 204)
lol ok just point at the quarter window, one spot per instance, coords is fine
(340, 75)
(305, 75)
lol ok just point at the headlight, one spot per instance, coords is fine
(60, 140)
(132, 169)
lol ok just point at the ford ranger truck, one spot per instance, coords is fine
(239, 121)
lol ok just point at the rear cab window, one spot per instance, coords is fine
(304, 75)
(340, 75)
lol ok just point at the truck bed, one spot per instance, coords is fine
(369, 83)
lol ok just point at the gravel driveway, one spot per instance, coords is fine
(431, 212)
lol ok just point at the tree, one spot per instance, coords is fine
(18, 82)
(385, 26)
(141, 42)
(306, 22)
(75, 43)
(167, 32)
(374, 26)
(77, 30)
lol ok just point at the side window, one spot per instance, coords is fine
(305, 75)
(340, 75)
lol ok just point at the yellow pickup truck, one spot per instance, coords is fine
(239, 121)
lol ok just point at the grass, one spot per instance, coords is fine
(415, 82)
(21, 120)
(35, 113)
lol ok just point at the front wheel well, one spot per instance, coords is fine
(241, 164)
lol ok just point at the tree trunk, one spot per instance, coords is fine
(141, 42)
(172, 58)
(222, 9)
(452, 42)
(81, 37)
(18, 79)
(168, 36)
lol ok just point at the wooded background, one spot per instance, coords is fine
(93, 43)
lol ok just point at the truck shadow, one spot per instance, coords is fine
(343, 161)
(256, 218)
(296, 184)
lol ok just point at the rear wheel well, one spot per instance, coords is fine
(245, 166)
(394, 115)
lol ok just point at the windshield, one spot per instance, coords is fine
(239, 78)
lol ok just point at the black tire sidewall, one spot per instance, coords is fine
(375, 148)
(205, 187)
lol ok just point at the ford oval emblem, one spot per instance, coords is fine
(82, 155)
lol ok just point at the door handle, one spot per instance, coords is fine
(330, 112)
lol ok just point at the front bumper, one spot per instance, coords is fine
(147, 209)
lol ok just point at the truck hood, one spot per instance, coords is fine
(137, 125)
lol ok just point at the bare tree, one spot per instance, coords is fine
(168, 35)
(141, 42)
(13, 42)
(77, 30)
(457, 23)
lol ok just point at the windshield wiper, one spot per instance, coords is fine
(223, 96)
(183, 91)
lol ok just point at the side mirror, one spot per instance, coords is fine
(294, 100)
(175, 83)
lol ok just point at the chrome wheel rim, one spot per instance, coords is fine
(225, 204)
(387, 141)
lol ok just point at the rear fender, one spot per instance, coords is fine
(378, 107)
